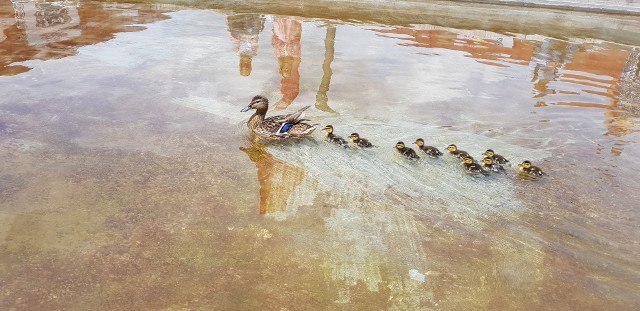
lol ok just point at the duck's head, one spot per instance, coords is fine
(258, 102)
(354, 136)
(328, 129)
(452, 148)
(488, 153)
(400, 145)
(487, 160)
(419, 142)
(467, 160)
(525, 164)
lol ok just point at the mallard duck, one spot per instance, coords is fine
(453, 150)
(360, 142)
(472, 167)
(406, 151)
(276, 127)
(429, 150)
(497, 159)
(490, 166)
(334, 138)
(528, 169)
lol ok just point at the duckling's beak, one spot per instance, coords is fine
(245, 109)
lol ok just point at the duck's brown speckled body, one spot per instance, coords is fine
(276, 127)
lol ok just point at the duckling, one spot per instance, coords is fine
(528, 169)
(472, 167)
(406, 151)
(360, 142)
(497, 159)
(429, 150)
(490, 166)
(276, 127)
(334, 138)
(453, 150)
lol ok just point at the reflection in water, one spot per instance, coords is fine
(49, 30)
(563, 73)
(287, 33)
(321, 97)
(277, 180)
(245, 30)
(113, 197)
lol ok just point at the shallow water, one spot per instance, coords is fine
(129, 180)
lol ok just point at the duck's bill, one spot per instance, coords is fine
(245, 109)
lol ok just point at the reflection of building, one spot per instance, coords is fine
(245, 30)
(287, 33)
(565, 73)
(48, 30)
(46, 22)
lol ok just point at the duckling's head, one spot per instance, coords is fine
(419, 142)
(488, 153)
(487, 160)
(258, 102)
(399, 145)
(452, 148)
(467, 160)
(328, 129)
(354, 136)
(525, 164)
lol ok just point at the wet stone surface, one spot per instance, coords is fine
(129, 181)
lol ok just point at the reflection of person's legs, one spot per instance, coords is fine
(290, 80)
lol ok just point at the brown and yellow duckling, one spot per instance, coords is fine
(406, 151)
(527, 169)
(490, 166)
(472, 167)
(429, 150)
(360, 142)
(276, 127)
(333, 138)
(453, 150)
(497, 159)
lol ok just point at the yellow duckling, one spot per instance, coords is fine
(472, 167)
(528, 169)
(453, 150)
(334, 138)
(360, 142)
(490, 166)
(497, 159)
(429, 150)
(406, 151)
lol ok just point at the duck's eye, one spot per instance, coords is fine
(399, 146)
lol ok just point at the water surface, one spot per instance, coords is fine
(129, 180)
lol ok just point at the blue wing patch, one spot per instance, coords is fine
(285, 128)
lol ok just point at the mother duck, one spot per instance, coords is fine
(276, 127)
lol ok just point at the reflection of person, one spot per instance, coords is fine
(277, 179)
(245, 30)
(287, 33)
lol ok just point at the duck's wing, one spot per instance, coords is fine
(296, 116)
